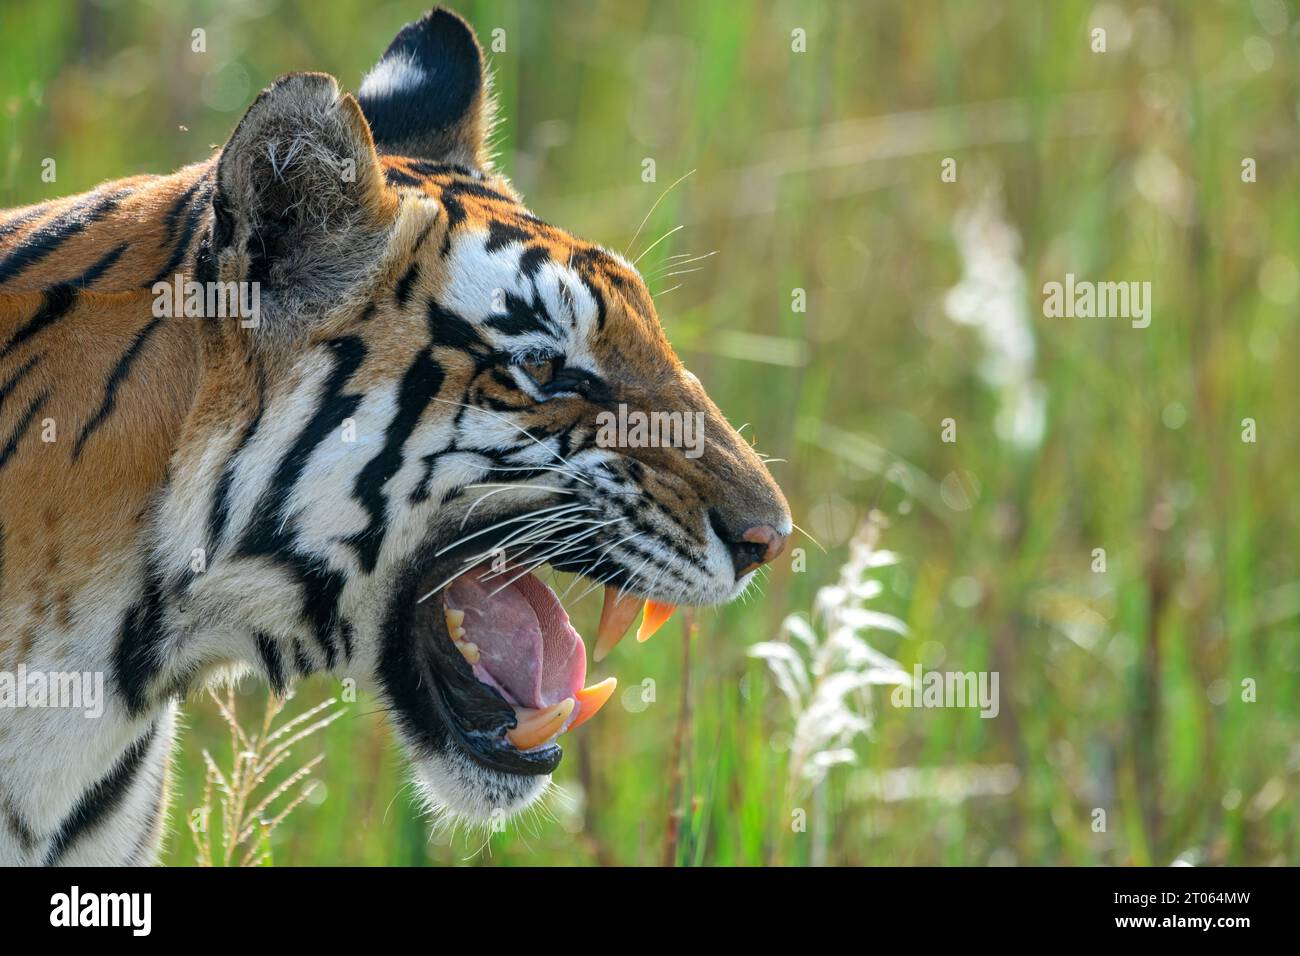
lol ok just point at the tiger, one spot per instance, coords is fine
(362, 475)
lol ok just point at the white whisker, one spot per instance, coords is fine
(569, 546)
(678, 272)
(499, 489)
(656, 242)
(600, 557)
(532, 514)
(662, 195)
(523, 431)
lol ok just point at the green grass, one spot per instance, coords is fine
(1120, 691)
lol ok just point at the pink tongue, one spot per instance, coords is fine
(527, 647)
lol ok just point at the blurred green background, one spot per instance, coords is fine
(1121, 691)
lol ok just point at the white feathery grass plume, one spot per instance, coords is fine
(991, 297)
(825, 672)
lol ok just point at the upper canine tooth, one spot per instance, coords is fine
(455, 618)
(615, 617)
(536, 726)
(656, 615)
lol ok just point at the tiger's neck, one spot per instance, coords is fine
(94, 388)
(97, 397)
(124, 235)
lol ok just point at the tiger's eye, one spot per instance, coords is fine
(541, 371)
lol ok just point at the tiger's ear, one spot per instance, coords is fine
(429, 97)
(300, 206)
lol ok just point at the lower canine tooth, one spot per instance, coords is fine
(468, 651)
(591, 699)
(538, 726)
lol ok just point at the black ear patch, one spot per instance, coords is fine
(426, 97)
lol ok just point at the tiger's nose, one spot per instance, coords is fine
(757, 545)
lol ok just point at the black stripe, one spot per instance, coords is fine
(99, 802)
(97, 269)
(202, 190)
(23, 424)
(174, 214)
(430, 461)
(519, 318)
(397, 177)
(404, 285)
(448, 328)
(205, 262)
(265, 536)
(300, 659)
(499, 376)
(429, 167)
(47, 238)
(593, 261)
(19, 827)
(455, 216)
(136, 657)
(271, 535)
(17, 377)
(272, 664)
(421, 238)
(10, 226)
(220, 513)
(422, 381)
(55, 304)
(463, 187)
(502, 234)
(321, 587)
(531, 262)
(497, 405)
(421, 491)
(345, 631)
(119, 374)
(601, 313)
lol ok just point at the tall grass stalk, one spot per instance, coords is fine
(251, 805)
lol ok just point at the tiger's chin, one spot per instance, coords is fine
(454, 783)
(485, 672)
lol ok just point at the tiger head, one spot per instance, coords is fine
(451, 397)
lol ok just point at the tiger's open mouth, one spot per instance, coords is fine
(508, 667)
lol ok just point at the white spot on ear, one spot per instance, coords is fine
(392, 75)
